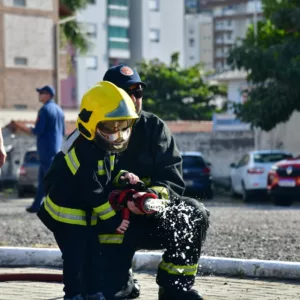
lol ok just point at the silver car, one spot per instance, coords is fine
(28, 173)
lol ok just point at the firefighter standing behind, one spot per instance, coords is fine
(76, 184)
(153, 155)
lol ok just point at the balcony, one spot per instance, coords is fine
(220, 54)
(219, 41)
(118, 47)
(119, 53)
(116, 12)
(123, 3)
(224, 27)
(206, 4)
(241, 8)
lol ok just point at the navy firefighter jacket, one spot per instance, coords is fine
(76, 187)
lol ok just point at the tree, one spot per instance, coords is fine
(272, 60)
(178, 93)
(72, 31)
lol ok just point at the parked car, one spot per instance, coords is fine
(284, 181)
(28, 173)
(249, 175)
(197, 175)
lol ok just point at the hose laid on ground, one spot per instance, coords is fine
(46, 277)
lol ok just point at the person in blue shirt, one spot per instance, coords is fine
(49, 130)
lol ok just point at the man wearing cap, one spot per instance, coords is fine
(2, 150)
(152, 154)
(49, 130)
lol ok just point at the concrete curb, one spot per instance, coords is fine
(16, 257)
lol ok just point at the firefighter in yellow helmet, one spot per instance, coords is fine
(77, 183)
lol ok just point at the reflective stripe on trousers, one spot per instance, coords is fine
(111, 238)
(179, 270)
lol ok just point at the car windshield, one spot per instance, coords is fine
(270, 157)
(193, 162)
(31, 157)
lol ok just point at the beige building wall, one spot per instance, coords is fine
(29, 38)
(27, 52)
(284, 136)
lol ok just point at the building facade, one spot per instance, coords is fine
(198, 37)
(106, 23)
(156, 30)
(231, 19)
(27, 52)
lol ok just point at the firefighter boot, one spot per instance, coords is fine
(165, 294)
(131, 290)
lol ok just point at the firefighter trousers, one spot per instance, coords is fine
(180, 230)
(79, 244)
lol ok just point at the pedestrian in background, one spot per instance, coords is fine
(2, 150)
(49, 130)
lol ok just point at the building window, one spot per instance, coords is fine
(117, 32)
(118, 2)
(191, 42)
(154, 35)
(154, 5)
(19, 2)
(119, 13)
(20, 61)
(191, 30)
(118, 45)
(91, 62)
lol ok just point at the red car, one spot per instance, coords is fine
(284, 181)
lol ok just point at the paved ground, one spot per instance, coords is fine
(211, 288)
(258, 230)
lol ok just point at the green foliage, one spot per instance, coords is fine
(174, 93)
(71, 31)
(272, 60)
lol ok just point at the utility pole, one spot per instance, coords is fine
(257, 130)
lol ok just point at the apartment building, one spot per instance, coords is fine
(27, 52)
(156, 30)
(198, 38)
(106, 23)
(231, 19)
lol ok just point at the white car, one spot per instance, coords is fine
(250, 173)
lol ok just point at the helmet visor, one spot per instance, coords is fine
(115, 131)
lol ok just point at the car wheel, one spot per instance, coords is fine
(281, 202)
(232, 191)
(245, 193)
(21, 192)
(209, 194)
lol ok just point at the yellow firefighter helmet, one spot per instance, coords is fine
(104, 102)
(107, 114)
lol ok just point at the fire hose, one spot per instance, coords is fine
(43, 277)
